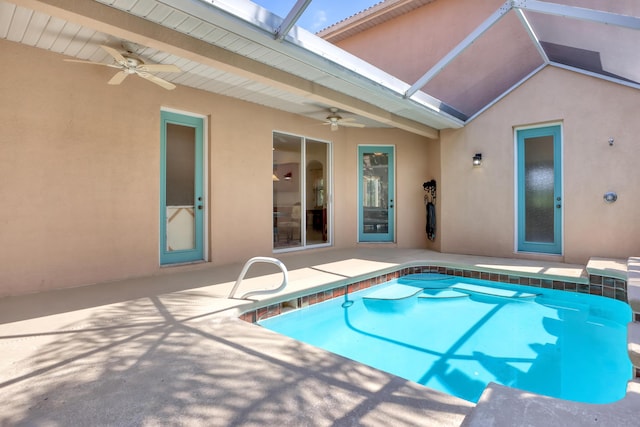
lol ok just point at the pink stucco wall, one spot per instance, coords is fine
(478, 204)
(410, 44)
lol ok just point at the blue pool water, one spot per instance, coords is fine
(458, 334)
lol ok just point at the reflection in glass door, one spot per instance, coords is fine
(317, 162)
(181, 195)
(300, 197)
(539, 190)
(376, 194)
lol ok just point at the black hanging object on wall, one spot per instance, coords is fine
(430, 203)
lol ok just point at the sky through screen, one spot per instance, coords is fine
(320, 13)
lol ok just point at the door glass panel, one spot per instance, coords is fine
(375, 193)
(180, 187)
(287, 191)
(316, 157)
(539, 189)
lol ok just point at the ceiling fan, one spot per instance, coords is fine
(128, 64)
(335, 120)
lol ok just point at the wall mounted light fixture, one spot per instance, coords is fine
(610, 197)
(477, 160)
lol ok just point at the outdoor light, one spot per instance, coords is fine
(477, 160)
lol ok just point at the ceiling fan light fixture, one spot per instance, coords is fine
(335, 121)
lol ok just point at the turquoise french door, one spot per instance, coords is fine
(181, 189)
(376, 193)
(540, 190)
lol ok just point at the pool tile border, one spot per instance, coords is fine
(598, 285)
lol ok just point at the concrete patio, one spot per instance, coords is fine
(169, 350)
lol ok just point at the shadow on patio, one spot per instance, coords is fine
(143, 362)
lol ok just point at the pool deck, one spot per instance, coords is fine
(169, 350)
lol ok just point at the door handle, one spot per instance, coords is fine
(558, 205)
(200, 206)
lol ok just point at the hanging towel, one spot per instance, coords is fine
(431, 221)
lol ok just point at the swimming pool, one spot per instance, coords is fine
(457, 334)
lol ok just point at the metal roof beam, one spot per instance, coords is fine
(532, 35)
(581, 13)
(294, 14)
(461, 47)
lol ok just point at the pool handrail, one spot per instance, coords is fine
(245, 269)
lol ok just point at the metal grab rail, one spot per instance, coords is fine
(248, 264)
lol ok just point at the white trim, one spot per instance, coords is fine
(183, 112)
(539, 125)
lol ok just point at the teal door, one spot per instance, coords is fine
(181, 189)
(540, 190)
(376, 194)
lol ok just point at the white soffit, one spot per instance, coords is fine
(306, 55)
(321, 73)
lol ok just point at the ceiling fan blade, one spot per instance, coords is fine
(116, 55)
(118, 78)
(157, 80)
(92, 63)
(352, 125)
(159, 68)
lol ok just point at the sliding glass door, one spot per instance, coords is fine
(300, 198)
